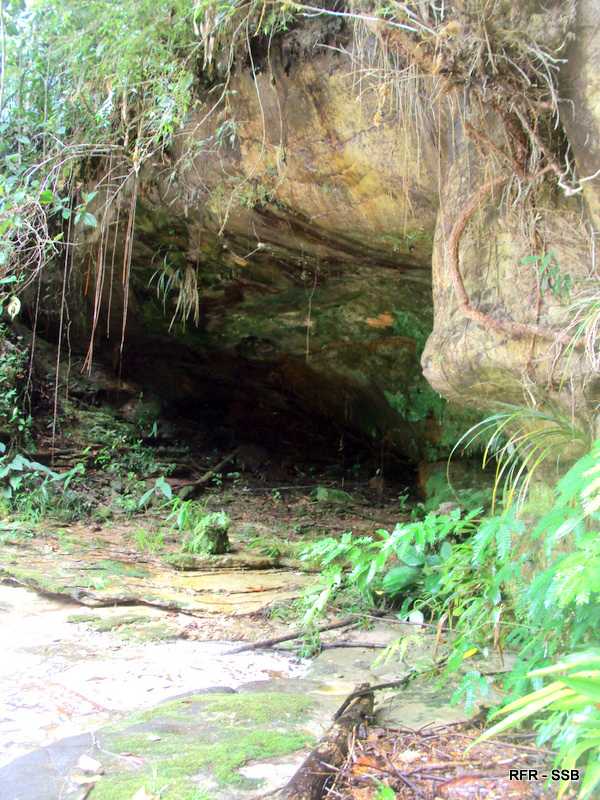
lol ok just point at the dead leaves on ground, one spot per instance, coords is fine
(432, 764)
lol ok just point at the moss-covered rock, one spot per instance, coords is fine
(194, 747)
(209, 535)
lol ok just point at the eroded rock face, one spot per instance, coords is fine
(300, 225)
(580, 85)
(305, 227)
(505, 264)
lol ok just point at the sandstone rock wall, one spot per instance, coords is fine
(313, 209)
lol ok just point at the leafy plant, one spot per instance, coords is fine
(208, 535)
(149, 541)
(361, 565)
(266, 546)
(33, 489)
(498, 583)
(571, 703)
(557, 611)
(522, 440)
(551, 277)
(15, 423)
(202, 532)
(160, 489)
(118, 451)
(585, 323)
(421, 401)
(181, 282)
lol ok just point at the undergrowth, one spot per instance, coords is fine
(494, 583)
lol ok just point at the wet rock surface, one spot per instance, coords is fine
(134, 705)
(60, 677)
(104, 570)
(112, 634)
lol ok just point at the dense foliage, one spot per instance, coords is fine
(482, 578)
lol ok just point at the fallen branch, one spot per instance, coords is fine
(211, 472)
(400, 683)
(87, 598)
(364, 645)
(309, 781)
(289, 637)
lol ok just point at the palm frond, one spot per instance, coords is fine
(522, 440)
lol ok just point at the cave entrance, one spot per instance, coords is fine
(283, 422)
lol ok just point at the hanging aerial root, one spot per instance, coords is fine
(517, 330)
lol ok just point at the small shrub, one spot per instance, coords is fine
(572, 703)
(203, 533)
(333, 497)
(389, 564)
(209, 535)
(15, 424)
(149, 541)
(32, 490)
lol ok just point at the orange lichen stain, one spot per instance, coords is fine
(384, 320)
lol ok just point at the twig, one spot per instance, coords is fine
(510, 744)
(396, 772)
(344, 643)
(264, 643)
(401, 683)
(211, 472)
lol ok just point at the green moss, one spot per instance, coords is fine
(108, 623)
(76, 618)
(256, 707)
(109, 567)
(245, 728)
(103, 513)
(175, 761)
(37, 580)
(333, 497)
(182, 561)
(260, 707)
(406, 243)
(133, 627)
(149, 632)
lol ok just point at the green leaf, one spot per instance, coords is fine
(445, 550)
(399, 578)
(585, 686)
(587, 659)
(411, 557)
(591, 778)
(89, 220)
(145, 498)
(531, 697)
(164, 487)
(385, 792)
(46, 197)
(518, 716)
